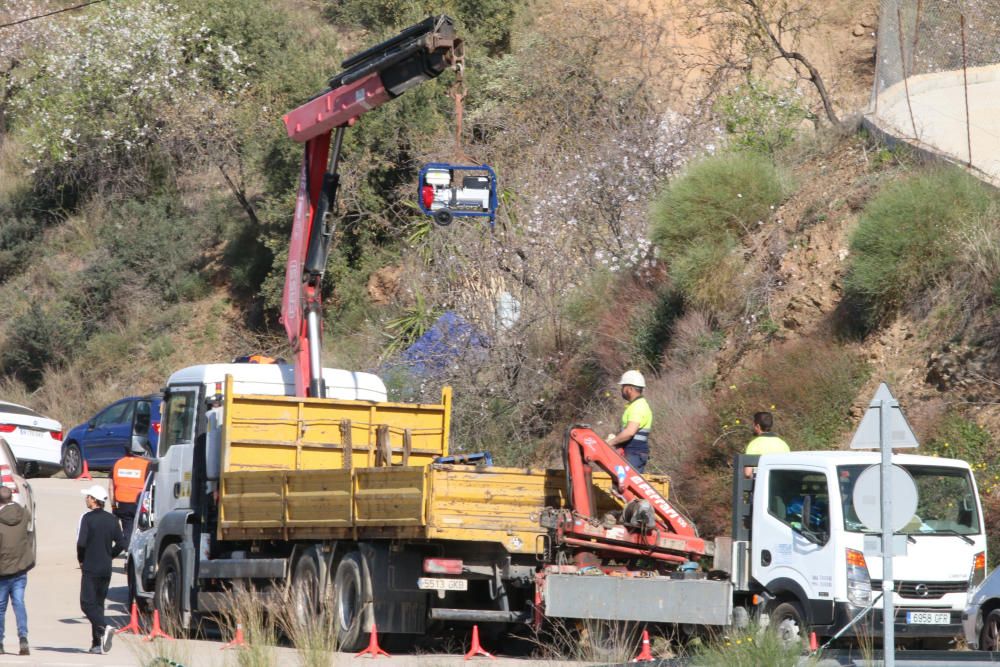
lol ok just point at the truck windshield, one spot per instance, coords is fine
(946, 501)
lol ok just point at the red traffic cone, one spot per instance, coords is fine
(476, 649)
(238, 639)
(85, 475)
(813, 644)
(374, 650)
(646, 653)
(156, 631)
(133, 623)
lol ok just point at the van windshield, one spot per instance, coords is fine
(946, 501)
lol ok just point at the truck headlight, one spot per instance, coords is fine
(859, 584)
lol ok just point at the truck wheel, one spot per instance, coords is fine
(989, 639)
(789, 622)
(72, 463)
(350, 590)
(305, 590)
(167, 597)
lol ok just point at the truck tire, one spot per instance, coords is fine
(351, 588)
(305, 590)
(789, 622)
(989, 638)
(169, 588)
(72, 461)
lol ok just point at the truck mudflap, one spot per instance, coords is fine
(649, 599)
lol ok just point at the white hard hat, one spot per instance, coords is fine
(633, 378)
(97, 492)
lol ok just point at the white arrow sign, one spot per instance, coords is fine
(900, 433)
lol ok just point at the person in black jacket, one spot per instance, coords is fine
(100, 540)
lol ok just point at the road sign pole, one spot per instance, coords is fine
(888, 608)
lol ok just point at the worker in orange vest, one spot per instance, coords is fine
(127, 479)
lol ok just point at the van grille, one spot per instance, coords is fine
(925, 590)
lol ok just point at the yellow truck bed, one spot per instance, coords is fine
(285, 476)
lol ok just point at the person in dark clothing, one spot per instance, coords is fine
(100, 540)
(17, 556)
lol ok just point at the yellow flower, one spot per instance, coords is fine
(772, 406)
(737, 421)
(732, 386)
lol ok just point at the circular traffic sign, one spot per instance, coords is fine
(867, 497)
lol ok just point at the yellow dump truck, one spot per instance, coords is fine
(347, 501)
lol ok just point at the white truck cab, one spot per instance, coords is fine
(806, 545)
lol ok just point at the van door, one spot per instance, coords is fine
(792, 546)
(177, 433)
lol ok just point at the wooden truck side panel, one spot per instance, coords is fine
(286, 476)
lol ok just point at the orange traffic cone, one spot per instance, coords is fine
(238, 639)
(813, 644)
(646, 653)
(133, 623)
(476, 649)
(85, 475)
(374, 650)
(156, 631)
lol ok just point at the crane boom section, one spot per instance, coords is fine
(369, 80)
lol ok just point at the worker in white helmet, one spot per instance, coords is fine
(637, 420)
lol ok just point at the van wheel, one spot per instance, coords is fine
(169, 583)
(351, 588)
(305, 591)
(989, 640)
(72, 463)
(788, 621)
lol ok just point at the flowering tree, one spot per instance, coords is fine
(121, 94)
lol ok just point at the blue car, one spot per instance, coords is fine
(111, 432)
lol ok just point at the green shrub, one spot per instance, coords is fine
(699, 220)
(721, 197)
(760, 116)
(752, 647)
(41, 337)
(908, 239)
(653, 326)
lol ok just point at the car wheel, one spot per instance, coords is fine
(788, 621)
(72, 462)
(169, 585)
(989, 638)
(350, 590)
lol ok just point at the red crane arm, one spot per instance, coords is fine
(674, 537)
(369, 80)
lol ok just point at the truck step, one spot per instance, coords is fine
(479, 615)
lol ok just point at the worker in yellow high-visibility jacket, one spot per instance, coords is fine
(637, 421)
(765, 441)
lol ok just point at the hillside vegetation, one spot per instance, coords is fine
(704, 227)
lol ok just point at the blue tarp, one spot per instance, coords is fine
(449, 340)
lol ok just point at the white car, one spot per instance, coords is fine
(35, 440)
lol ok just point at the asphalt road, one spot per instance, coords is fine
(59, 633)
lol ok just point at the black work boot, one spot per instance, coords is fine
(24, 647)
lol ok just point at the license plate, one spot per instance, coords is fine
(30, 433)
(432, 584)
(928, 618)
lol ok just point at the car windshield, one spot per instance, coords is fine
(946, 502)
